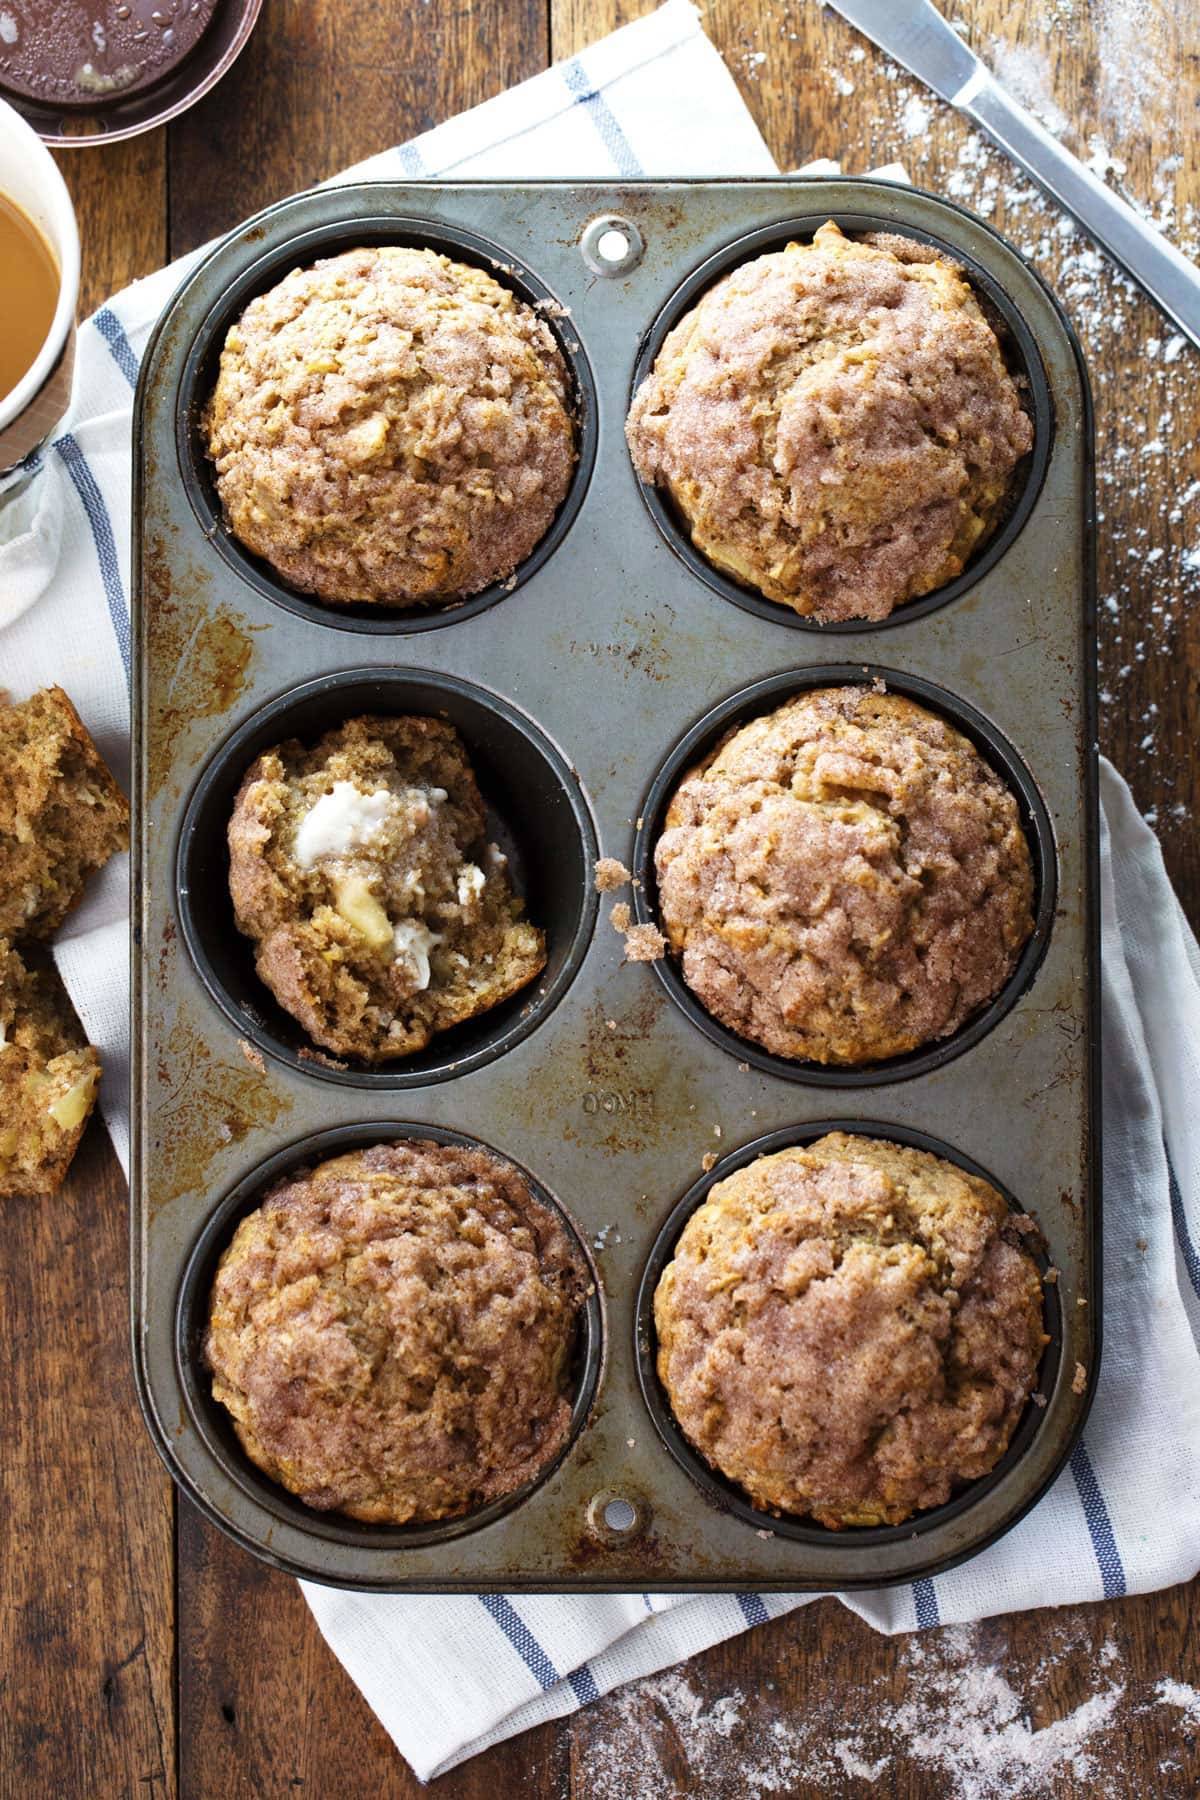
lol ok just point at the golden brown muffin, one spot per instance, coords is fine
(361, 868)
(850, 1331)
(392, 1332)
(391, 426)
(61, 813)
(844, 879)
(48, 1081)
(836, 424)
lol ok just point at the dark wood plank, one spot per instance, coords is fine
(120, 195)
(322, 85)
(265, 1707)
(86, 1588)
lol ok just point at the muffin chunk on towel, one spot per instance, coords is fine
(61, 813)
(850, 1331)
(836, 424)
(390, 426)
(379, 911)
(48, 1081)
(844, 879)
(392, 1332)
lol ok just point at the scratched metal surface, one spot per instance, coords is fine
(614, 648)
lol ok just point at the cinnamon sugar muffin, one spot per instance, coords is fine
(836, 424)
(392, 1332)
(62, 815)
(49, 1076)
(361, 868)
(850, 1331)
(390, 426)
(844, 879)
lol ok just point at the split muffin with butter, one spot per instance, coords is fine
(390, 426)
(361, 867)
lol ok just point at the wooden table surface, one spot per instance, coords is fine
(141, 1652)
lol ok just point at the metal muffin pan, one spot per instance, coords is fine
(582, 690)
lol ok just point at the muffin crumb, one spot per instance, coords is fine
(610, 875)
(644, 943)
(621, 918)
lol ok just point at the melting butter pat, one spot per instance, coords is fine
(356, 904)
(470, 883)
(342, 820)
(413, 941)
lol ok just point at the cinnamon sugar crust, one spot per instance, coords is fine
(836, 424)
(850, 1331)
(844, 879)
(392, 1332)
(391, 426)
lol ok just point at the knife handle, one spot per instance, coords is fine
(1141, 249)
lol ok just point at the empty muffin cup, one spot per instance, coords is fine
(199, 381)
(214, 1422)
(732, 1497)
(535, 813)
(1005, 518)
(764, 698)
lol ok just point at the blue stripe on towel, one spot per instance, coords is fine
(76, 465)
(522, 1639)
(583, 1685)
(113, 333)
(603, 118)
(1095, 1512)
(1187, 1249)
(925, 1603)
(753, 1610)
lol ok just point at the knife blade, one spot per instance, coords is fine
(914, 34)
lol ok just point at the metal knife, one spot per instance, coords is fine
(915, 34)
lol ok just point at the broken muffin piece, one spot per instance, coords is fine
(48, 1081)
(361, 868)
(61, 813)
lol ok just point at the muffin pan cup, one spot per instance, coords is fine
(583, 691)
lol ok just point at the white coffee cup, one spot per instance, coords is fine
(30, 178)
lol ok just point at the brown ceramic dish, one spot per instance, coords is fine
(48, 93)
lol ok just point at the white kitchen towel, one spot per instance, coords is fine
(450, 1675)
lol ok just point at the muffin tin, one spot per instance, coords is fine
(583, 688)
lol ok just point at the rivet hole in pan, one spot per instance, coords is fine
(764, 696)
(536, 812)
(212, 1421)
(200, 373)
(725, 1494)
(1021, 354)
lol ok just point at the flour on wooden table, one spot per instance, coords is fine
(960, 1725)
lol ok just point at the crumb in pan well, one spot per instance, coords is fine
(361, 868)
(836, 424)
(48, 1080)
(61, 813)
(845, 879)
(393, 1331)
(391, 426)
(850, 1331)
